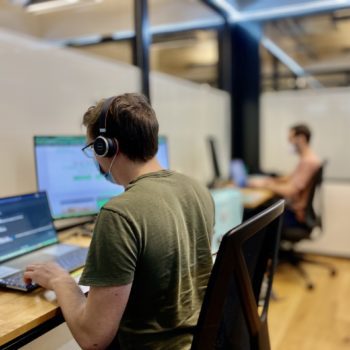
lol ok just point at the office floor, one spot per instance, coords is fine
(307, 320)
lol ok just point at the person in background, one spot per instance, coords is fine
(296, 186)
(149, 260)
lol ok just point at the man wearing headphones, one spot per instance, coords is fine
(149, 259)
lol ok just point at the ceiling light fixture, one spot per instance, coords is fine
(53, 5)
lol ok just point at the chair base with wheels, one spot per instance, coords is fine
(288, 253)
(296, 259)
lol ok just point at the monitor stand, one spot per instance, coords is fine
(64, 224)
(219, 183)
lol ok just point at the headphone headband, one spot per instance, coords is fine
(103, 115)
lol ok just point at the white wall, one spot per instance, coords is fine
(46, 90)
(327, 111)
(189, 113)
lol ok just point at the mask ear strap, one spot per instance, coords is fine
(112, 162)
(116, 144)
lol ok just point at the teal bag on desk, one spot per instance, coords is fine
(228, 213)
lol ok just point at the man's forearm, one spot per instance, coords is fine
(284, 189)
(282, 179)
(93, 321)
(73, 303)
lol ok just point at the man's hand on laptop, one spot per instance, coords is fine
(46, 275)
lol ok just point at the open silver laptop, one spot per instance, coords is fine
(27, 235)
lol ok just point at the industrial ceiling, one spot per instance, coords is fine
(313, 34)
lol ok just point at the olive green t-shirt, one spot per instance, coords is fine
(156, 235)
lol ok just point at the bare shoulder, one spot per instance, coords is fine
(312, 160)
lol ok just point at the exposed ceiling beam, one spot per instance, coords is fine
(236, 16)
(156, 31)
(288, 61)
(292, 28)
(282, 11)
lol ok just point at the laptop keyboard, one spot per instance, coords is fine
(70, 261)
(16, 282)
(73, 260)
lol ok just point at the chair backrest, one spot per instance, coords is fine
(313, 218)
(230, 317)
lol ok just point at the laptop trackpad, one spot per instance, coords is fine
(42, 255)
(7, 271)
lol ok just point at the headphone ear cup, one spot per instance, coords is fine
(105, 146)
(113, 147)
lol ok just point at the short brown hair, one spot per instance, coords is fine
(132, 121)
(302, 129)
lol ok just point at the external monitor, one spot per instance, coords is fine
(73, 183)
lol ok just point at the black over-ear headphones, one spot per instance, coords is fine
(105, 146)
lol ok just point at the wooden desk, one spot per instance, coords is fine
(29, 315)
(255, 197)
(21, 313)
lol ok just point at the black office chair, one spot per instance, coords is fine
(290, 236)
(242, 274)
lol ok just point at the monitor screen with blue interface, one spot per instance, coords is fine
(73, 183)
(25, 224)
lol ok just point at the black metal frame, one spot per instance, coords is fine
(142, 43)
(34, 333)
(225, 49)
(239, 75)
